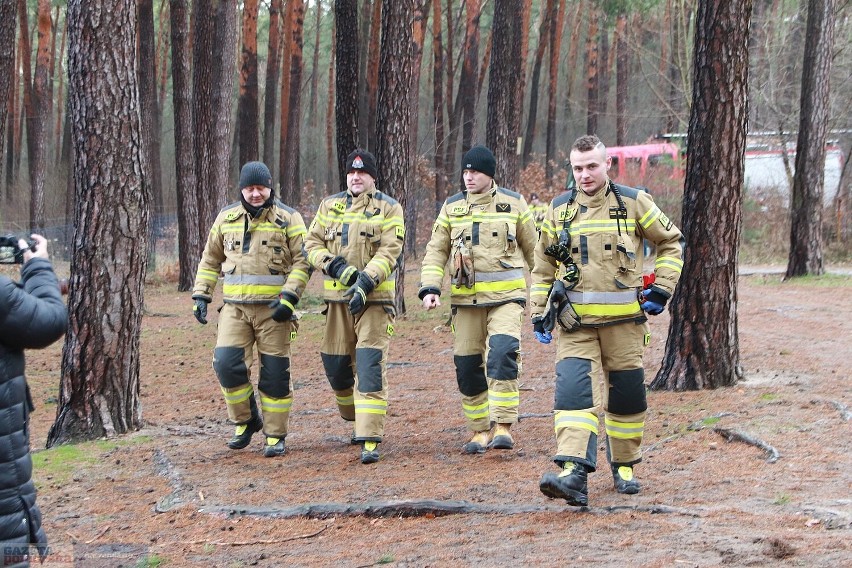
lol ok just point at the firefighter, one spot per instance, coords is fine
(487, 233)
(587, 283)
(257, 243)
(356, 239)
(538, 209)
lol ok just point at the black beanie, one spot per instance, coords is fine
(362, 160)
(255, 173)
(481, 159)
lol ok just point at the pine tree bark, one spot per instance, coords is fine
(291, 185)
(247, 107)
(504, 100)
(466, 93)
(270, 93)
(438, 105)
(7, 75)
(39, 118)
(592, 72)
(393, 119)
(809, 180)
(622, 79)
(373, 41)
(552, 91)
(702, 350)
(150, 113)
(547, 16)
(224, 58)
(99, 389)
(346, 81)
(190, 243)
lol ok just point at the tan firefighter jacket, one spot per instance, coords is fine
(606, 245)
(495, 234)
(259, 258)
(368, 231)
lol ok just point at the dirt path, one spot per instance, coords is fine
(174, 495)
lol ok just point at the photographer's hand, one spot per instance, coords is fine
(40, 247)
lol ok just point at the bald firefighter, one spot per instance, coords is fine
(486, 233)
(587, 288)
(257, 244)
(356, 239)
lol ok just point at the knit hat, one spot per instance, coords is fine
(362, 160)
(481, 159)
(255, 173)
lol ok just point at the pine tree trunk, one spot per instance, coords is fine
(622, 80)
(220, 189)
(247, 108)
(809, 181)
(438, 105)
(150, 114)
(393, 119)
(592, 73)
(346, 81)
(373, 42)
(39, 117)
(270, 93)
(7, 76)
(467, 82)
(702, 350)
(547, 16)
(291, 185)
(331, 183)
(552, 90)
(99, 389)
(190, 242)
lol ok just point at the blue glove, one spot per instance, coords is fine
(654, 302)
(199, 310)
(541, 335)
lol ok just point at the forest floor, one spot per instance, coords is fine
(172, 494)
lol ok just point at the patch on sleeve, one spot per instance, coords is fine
(435, 227)
(665, 222)
(400, 232)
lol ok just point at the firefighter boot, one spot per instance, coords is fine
(370, 452)
(274, 446)
(624, 481)
(571, 484)
(501, 438)
(243, 433)
(478, 443)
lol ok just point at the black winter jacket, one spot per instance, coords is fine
(32, 316)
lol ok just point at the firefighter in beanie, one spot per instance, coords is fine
(356, 240)
(257, 244)
(487, 234)
(587, 290)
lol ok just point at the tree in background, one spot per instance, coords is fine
(247, 108)
(393, 119)
(291, 186)
(7, 64)
(809, 180)
(150, 112)
(504, 100)
(702, 350)
(99, 389)
(346, 81)
(190, 240)
(38, 115)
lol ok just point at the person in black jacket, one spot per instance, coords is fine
(32, 316)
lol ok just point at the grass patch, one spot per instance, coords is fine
(59, 463)
(781, 499)
(809, 281)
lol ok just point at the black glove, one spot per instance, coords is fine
(199, 310)
(560, 252)
(358, 292)
(341, 271)
(284, 306)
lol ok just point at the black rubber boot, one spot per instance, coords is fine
(624, 481)
(478, 443)
(274, 446)
(244, 432)
(370, 452)
(571, 484)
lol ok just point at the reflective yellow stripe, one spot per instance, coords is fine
(300, 275)
(601, 226)
(606, 309)
(474, 412)
(649, 217)
(624, 430)
(250, 290)
(345, 400)
(207, 275)
(276, 404)
(575, 419)
(481, 287)
(370, 406)
(504, 399)
(675, 264)
(432, 271)
(238, 395)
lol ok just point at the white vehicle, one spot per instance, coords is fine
(765, 173)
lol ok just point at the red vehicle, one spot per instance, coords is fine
(631, 164)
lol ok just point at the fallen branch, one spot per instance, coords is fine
(731, 435)
(251, 542)
(425, 508)
(694, 427)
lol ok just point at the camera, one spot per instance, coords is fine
(10, 252)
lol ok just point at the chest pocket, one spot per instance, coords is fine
(274, 247)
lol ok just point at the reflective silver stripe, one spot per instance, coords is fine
(514, 274)
(625, 297)
(271, 280)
